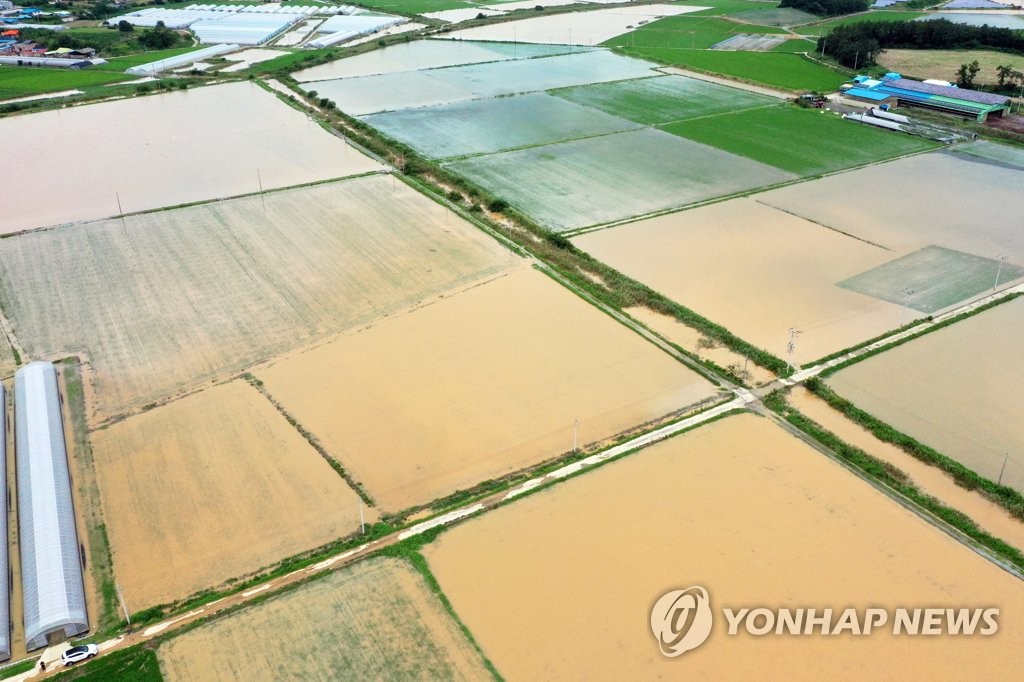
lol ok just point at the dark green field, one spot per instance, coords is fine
(774, 69)
(803, 141)
(21, 81)
(686, 32)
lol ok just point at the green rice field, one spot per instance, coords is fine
(598, 180)
(664, 99)
(983, 151)
(802, 141)
(490, 125)
(21, 81)
(932, 278)
(774, 69)
(414, 6)
(780, 16)
(882, 15)
(685, 31)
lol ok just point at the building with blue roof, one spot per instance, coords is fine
(895, 90)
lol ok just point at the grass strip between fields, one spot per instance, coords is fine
(891, 476)
(313, 441)
(575, 266)
(1006, 497)
(134, 664)
(101, 565)
(899, 342)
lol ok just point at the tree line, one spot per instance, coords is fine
(828, 8)
(857, 45)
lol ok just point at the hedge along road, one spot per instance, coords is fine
(743, 399)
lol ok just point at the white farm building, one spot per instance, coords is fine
(51, 566)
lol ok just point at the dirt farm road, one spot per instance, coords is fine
(743, 399)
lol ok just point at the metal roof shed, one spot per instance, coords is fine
(51, 569)
(5, 571)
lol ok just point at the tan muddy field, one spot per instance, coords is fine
(936, 198)
(931, 480)
(211, 487)
(958, 390)
(475, 386)
(376, 620)
(559, 585)
(163, 150)
(695, 342)
(756, 271)
(168, 301)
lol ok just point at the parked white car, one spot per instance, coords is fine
(79, 653)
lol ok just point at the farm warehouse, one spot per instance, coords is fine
(947, 99)
(53, 590)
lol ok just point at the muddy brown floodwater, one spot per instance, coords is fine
(559, 585)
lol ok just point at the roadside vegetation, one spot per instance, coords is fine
(889, 475)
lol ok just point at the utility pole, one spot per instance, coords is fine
(1000, 482)
(362, 520)
(575, 434)
(120, 597)
(856, 60)
(791, 346)
(999, 271)
(823, 41)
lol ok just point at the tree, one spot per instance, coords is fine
(966, 74)
(158, 38)
(1005, 74)
(124, 27)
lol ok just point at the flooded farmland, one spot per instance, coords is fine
(743, 509)
(477, 385)
(210, 487)
(357, 623)
(957, 389)
(755, 270)
(165, 301)
(940, 198)
(164, 150)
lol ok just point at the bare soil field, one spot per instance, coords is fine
(477, 385)
(205, 143)
(929, 479)
(376, 620)
(958, 390)
(755, 270)
(943, 64)
(211, 487)
(559, 585)
(166, 301)
(945, 199)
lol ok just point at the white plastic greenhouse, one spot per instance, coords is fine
(5, 593)
(153, 68)
(341, 28)
(243, 28)
(51, 566)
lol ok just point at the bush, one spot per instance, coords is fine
(497, 206)
(828, 8)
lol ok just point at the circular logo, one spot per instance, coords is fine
(681, 620)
